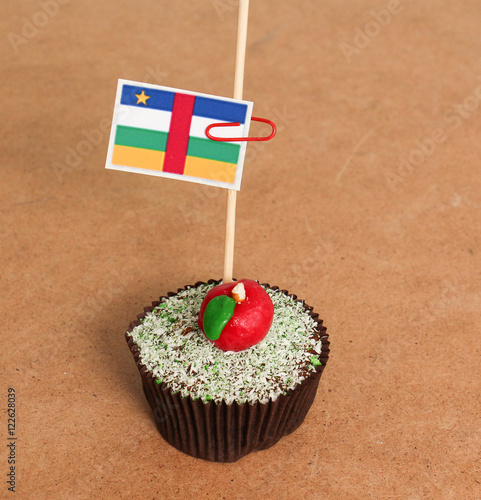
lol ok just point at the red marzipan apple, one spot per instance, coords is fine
(251, 320)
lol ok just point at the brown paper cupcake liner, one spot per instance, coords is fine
(221, 432)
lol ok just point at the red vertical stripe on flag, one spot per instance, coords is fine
(178, 140)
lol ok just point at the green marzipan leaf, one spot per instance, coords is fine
(217, 314)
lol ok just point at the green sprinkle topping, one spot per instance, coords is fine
(315, 361)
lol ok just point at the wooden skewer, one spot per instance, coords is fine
(238, 91)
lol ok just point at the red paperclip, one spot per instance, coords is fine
(238, 139)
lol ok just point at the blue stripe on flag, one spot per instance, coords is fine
(159, 99)
(220, 110)
(205, 107)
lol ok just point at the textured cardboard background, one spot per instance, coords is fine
(389, 255)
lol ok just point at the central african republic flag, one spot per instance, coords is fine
(161, 131)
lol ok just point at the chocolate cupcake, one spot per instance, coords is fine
(219, 405)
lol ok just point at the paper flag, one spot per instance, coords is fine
(161, 131)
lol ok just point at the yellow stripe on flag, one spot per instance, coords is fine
(210, 169)
(137, 157)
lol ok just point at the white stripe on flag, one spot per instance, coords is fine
(199, 124)
(152, 119)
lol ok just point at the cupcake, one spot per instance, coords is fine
(221, 398)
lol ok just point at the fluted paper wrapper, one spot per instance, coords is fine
(221, 432)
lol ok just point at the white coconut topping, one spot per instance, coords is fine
(175, 351)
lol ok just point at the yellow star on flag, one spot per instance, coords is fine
(142, 98)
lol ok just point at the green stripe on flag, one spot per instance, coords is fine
(141, 138)
(155, 140)
(213, 150)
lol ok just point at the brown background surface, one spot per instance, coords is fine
(388, 255)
